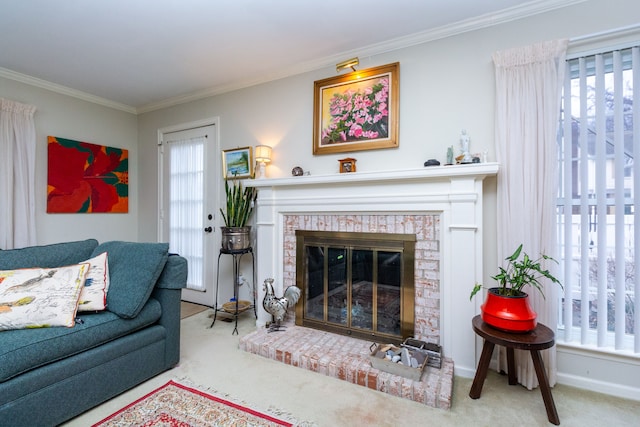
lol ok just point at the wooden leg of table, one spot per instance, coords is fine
(511, 366)
(481, 372)
(552, 414)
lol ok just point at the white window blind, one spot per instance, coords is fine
(597, 215)
(186, 205)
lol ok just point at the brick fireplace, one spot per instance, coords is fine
(442, 206)
(426, 280)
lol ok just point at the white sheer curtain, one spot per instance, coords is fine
(186, 205)
(17, 174)
(528, 93)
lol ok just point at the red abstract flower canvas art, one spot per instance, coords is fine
(86, 178)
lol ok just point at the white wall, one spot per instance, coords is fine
(445, 85)
(67, 117)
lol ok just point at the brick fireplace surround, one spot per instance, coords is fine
(442, 205)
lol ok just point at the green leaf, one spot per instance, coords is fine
(515, 255)
(475, 290)
(239, 203)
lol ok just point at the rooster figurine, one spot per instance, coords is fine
(278, 307)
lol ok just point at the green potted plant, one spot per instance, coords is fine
(239, 206)
(507, 305)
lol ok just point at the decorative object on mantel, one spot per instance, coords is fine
(464, 146)
(449, 156)
(347, 165)
(507, 306)
(356, 111)
(297, 171)
(278, 307)
(240, 202)
(263, 156)
(432, 162)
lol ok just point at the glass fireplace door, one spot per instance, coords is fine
(356, 289)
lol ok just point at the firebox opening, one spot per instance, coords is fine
(357, 284)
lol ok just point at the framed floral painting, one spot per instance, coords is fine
(356, 111)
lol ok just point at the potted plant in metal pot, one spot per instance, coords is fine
(239, 206)
(507, 305)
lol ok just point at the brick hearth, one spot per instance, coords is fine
(347, 359)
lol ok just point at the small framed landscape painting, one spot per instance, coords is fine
(237, 163)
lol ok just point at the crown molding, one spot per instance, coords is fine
(64, 90)
(477, 23)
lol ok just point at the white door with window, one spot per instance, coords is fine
(188, 208)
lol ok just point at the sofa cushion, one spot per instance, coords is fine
(26, 349)
(40, 297)
(96, 286)
(134, 269)
(56, 255)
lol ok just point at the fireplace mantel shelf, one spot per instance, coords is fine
(435, 173)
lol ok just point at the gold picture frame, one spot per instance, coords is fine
(356, 111)
(238, 163)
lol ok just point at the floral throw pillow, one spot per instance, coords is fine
(94, 292)
(40, 297)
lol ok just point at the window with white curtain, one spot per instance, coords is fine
(598, 234)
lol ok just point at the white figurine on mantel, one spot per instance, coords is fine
(464, 145)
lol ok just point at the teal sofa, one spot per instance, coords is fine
(50, 375)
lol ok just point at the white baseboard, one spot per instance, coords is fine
(612, 389)
(564, 378)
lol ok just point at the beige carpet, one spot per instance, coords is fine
(211, 358)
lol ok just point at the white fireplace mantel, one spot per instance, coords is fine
(433, 173)
(453, 192)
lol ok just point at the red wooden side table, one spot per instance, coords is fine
(539, 339)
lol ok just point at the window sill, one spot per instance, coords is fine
(620, 356)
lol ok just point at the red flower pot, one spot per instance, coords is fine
(508, 313)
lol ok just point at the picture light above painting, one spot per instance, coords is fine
(86, 178)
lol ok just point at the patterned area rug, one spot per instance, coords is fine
(177, 405)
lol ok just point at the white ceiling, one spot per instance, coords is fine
(142, 54)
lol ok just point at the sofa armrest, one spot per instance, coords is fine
(174, 274)
(168, 291)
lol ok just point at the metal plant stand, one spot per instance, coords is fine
(237, 255)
